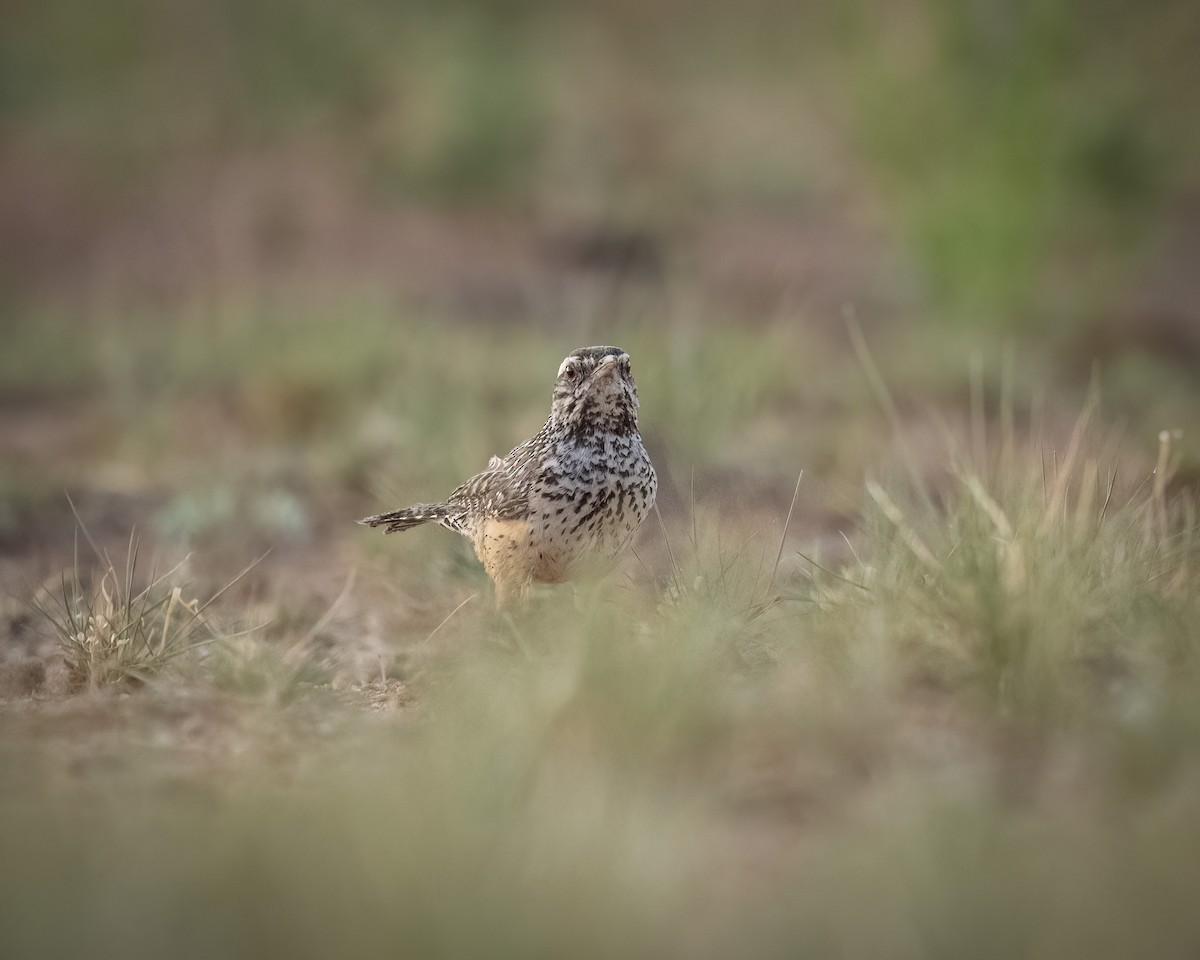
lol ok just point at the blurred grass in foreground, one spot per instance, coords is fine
(976, 738)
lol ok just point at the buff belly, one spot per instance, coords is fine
(513, 552)
(518, 552)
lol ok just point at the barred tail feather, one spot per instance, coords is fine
(413, 516)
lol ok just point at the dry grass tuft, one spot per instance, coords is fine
(112, 631)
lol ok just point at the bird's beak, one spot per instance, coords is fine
(607, 368)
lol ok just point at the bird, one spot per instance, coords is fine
(565, 503)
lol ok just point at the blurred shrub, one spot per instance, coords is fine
(1005, 133)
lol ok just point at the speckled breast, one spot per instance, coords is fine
(589, 501)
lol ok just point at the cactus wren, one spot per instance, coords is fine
(566, 501)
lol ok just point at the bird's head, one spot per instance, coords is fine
(594, 392)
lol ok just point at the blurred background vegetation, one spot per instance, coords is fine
(1021, 159)
(270, 213)
(268, 266)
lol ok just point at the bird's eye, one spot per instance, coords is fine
(571, 373)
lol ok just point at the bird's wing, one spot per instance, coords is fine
(502, 489)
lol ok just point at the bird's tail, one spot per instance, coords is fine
(413, 516)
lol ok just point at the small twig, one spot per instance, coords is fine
(1145, 480)
(297, 648)
(211, 600)
(1161, 476)
(80, 525)
(695, 539)
(783, 536)
(434, 631)
(670, 553)
(853, 552)
(978, 412)
(1107, 499)
(695, 535)
(727, 565)
(907, 533)
(988, 505)
(649, 574)
(836, 576)
(884, 398)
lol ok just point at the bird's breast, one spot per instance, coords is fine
(591, 497)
